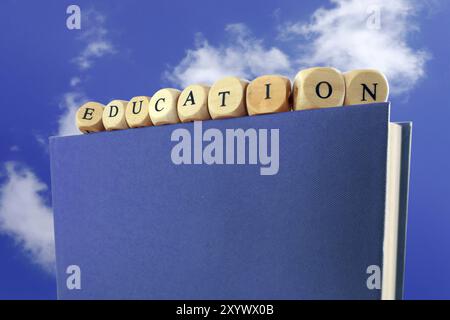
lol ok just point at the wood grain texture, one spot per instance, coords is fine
(193, 103)
(268, 94)
(365, 86)
(320, 87)
(226, 98)
(136, 112)
(114, 115)
(89, 117)
(163, 107)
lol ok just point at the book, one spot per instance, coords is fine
(295, 205)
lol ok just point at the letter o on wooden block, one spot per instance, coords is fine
(365, 86)
(163, 107)
(268, 94)
(193, 103)
(136, 112)
(320, 87)
(114, 115)
(226, 98)
(89, 117)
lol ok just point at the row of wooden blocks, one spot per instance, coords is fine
(320, 87)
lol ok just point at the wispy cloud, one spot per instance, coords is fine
(25, 216)
(243, 55)
(363, 34)
(70, 103)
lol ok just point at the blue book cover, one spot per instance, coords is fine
(280, 206)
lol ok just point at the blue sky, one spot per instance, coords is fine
(132, 48)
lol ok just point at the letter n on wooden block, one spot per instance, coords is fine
(365, 86)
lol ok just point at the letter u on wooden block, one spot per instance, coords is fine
(89, 117)
(193, 103)
(136, 112)
(163, 107)
(268, 94)
(365, 86)
(114, 115)
(320, 87)
(226, 98)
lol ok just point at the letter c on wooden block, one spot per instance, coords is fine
(136, 112)
(268, 94)
(320, 87)
(89, 117)
(226, 98)
(365, 86)
(193, 103)
(163, 107)
(114, 115)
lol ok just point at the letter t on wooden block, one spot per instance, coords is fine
(114, 115)
(365, 86)
(136, 112)
(89, 117)
(268, 94)
(163, 107)
(226, 98)
(193, 103)
(319, 87)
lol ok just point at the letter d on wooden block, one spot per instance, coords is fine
(163, 107)
(268, 94)
(114, 115)
(136, 112)
(193, 103)
(226, 98)
(365, 86)
(319, 87)
(89, 117)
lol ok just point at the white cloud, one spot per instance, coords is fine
(25, 216)
(75, 81)
(356, 34)
(243, 56)
(70, 103)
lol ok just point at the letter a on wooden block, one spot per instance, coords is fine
(136, 112)
(193, 103)
(226, 98)
(268, 94)
(163, 107)
(365, 86)
(114, 115)
(320, 87)
(89, 117)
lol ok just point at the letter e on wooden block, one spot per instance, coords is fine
(268, 94)
(114, 115)
(193, 103)
(365, 86)
(320, 87)
(226, 98)
(163, 107)
(89, 117)
(136, 112)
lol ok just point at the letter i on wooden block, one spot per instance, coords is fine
(268, 94)
(136, 112)
(226, 98)
(163, 107)
(193, 103)
(365, 86)
(114, 115)
(89, 117)
(320, 87)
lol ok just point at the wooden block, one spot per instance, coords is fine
(365, 86)
(89, 117)
(268, 94)
(320, 87)
(114, 115)
(163, 107)
(136, 112)
(193, 103)
(226, 98)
